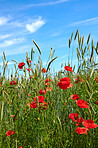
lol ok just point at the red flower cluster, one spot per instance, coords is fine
(48, 80)
(96, 102)
(20, 65)
(9, 133)
(87, 123)
(44, 70)
(68, 68)
(78, 80)
(42, 92)
(82, 103)
(75, 96)
(64, 83)
(13, 83)
(29, 61)
(42, 103)
(28, 69)
(96, 79)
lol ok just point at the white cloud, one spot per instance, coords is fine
(5, 36)
(4, 20)
(35, 25)
(46, 4)
(7, 43)
(16, 23)
(85, 21)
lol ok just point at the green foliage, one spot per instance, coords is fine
(51, 127)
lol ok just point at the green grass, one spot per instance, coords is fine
(51, 127)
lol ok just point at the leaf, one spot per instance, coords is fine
(92, 52)
(76, 35)
(37, 46)
(14, 61)
(50, 63)
(32, 51)
(88, 38)
(69, 43)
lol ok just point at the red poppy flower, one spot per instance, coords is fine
(64, 83)
(0, 84)
(40, 99)
(9, 133)
(42, 105)
(96, 102)
(20, 66)
(47, 84)
(29, 95)
(65, 79)
(12, 115)
(70, 86)
(33, 105)
(42, 92)
(82, 103)
(48, 80)
(28, 69)
(13, 83)
(96, 79)
(68, 68)
(81, 130)
(75, 96)
(89, 124)
(48, 88)
(20, 146)
(79, 121)
(44, 70)
(78, 80)
(29, 61)
(73, 116)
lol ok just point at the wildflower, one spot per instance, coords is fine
(20, 146)
(79, 121)
(89, 124)
(81, 130)
(82, 103)
(68, 68)
(9, 102)
(42, 103)
(29, 61)
(29, 95)
(78, 80)
(48, 88)
(44, 70)
(47, 84)
(64, 83)
(73, 116)
(42, 92)
(96, 102)
(20, 65)
(40, 99)
(13, 83)
(48, 80)
(75, 96)
(28, 69)
(0, 84)
(12, 115)
(70, 86)
(33, 105)
(96, 79)
(9, 133)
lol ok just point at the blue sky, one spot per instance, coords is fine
(48, 22)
